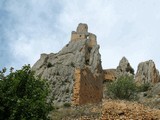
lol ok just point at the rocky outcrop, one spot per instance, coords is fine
(147, 73)
(74, 71)
(109, 74)
(124, 68)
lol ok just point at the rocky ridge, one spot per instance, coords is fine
(75, 75)
(124, 68)
(146, 72)
(67, 71)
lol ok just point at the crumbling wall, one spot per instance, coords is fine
(87, 87)
(82, 33)
(82, 28)
(109, 74)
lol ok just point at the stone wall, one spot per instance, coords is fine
(87, 87)
(92, 38)
(82, 28)
(109, 74)
(82, 33)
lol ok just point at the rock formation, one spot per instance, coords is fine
(124, 68)
(75, 73)
(147, 73)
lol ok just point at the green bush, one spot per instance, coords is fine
(144, 87)
(123, 88)
(23, 97)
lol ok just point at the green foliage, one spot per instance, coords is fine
(67, 105)
(123, 88)
(144, 87)
(23, 97)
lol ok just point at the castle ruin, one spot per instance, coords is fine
(75, 72)
(82, 33)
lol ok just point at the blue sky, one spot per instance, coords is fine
(129, 28)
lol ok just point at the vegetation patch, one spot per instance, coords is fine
(144, 87)
(23, 97)
(123, 88)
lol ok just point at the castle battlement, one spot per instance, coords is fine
(82, 33)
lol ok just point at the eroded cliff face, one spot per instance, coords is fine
(60, 69)
(147, 73)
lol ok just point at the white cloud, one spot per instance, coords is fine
(123, 28)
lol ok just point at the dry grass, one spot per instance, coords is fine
(86, 112)
(109, 110)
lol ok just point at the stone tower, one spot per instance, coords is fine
(82, 33)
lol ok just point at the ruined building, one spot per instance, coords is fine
(82, 33)
(75, 73)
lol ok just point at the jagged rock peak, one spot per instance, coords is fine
(123, 63)
(147, 73)
(124, 68)
(75, 70)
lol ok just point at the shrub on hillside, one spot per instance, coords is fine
(123, 88)
(144, 87)
(22, 96)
